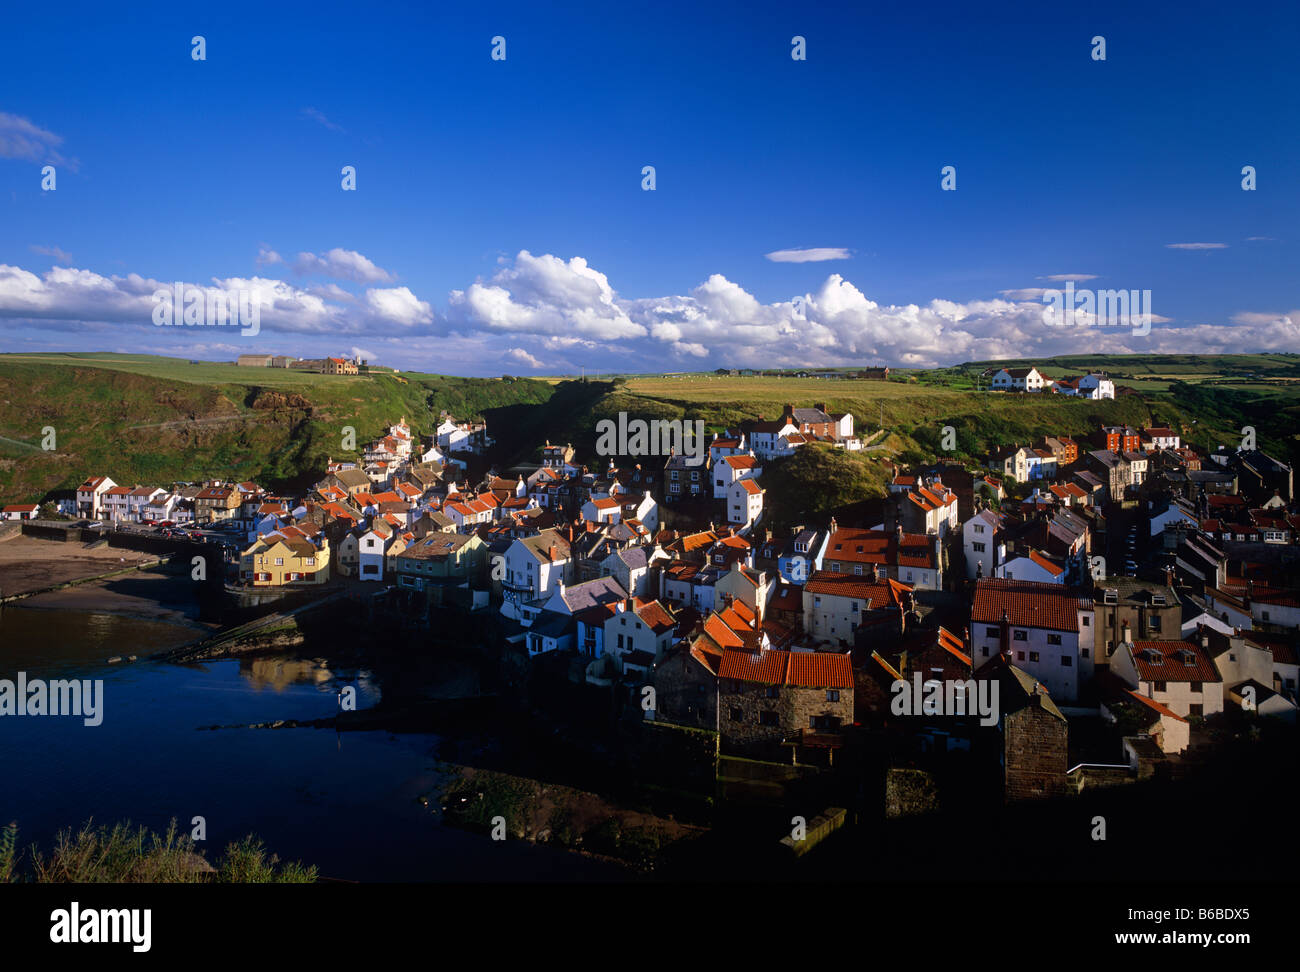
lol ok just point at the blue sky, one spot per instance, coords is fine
(499, 223)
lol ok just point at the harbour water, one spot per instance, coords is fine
(346, 802)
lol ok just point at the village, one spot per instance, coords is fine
(1080, 612)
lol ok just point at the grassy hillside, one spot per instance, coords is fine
(144, 419)
(131, 418)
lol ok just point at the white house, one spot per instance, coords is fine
(1176, 674)
(729, 469)
(372, 549)
(1045, 629)
(1095, 386)
(19, 511)
(607, 509)
(982, 541)
(90, 496)
(773, 439)
(1032, 566)
(138, 500)
(744, 502)
(1019, 379)
(535, 567)
(637, 634)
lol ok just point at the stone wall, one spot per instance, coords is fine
(1036, 750)
(741, 706)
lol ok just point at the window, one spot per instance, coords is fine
(1033, 656)
(1159, 686)
(1020, 656)
(857, 568)
(991, 632)
(1196, 686)
(733, 713)
(835, 567)
(1053, 639)
(979, 547)
(1066, 661)
(1021, 635)
(1154, 622)
(1195, 710)
(1083, 652)
(1086, 620)
(771, 692)
(767, 719)
(979, 529)
(832, 695)
(985, 651)
(279, 561)
(1264, 616)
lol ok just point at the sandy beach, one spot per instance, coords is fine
(152, 593)
(30, 563)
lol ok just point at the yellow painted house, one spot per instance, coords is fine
(278, 559)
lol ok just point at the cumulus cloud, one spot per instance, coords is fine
(544, 311)
(1196, 246)
(544, 295)
(66, 298)
(267, 256)
(815, 254)
(341, 264)
(719, 320)
(399, 306)
(520, 356)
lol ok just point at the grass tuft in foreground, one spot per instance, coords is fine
(123, 854)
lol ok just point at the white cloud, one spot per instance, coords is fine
(815, 254)
(266, 256)
(341, 264)
(361, 354)
(568, 312)
(1196, 246)
(544, 295)
(520, 356)
(1066, 277)
(399, 306)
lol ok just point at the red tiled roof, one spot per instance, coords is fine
(877, 593)
(1164, 710)
(1173, 661)
(751, 487)
(806, 669)
(741, 462)
(1028, 604)
(1056, 570)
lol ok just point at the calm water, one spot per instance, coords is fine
(345, 802)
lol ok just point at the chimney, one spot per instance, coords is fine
(1128, 634)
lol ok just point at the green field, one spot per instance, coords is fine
(146, 419)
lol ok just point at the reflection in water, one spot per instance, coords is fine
(348, 805)
(279, 673)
